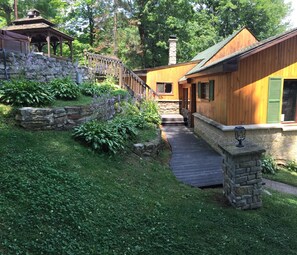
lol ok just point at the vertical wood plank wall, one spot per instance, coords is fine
(170, 75)
(248, 93)
(241, 96)
(240, 41)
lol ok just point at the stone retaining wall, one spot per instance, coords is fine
(37, 67)
(149, 149)
(64, 118)
(278, 140)
(169, 106)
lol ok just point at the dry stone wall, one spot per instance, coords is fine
(37, 67)
(149, 149)
(64, 118)
(169, 106)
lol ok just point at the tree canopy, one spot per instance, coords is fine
(137, 31)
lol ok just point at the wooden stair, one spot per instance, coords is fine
(99, 65)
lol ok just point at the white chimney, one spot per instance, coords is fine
(172, 50)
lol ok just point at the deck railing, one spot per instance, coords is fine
(101, 65)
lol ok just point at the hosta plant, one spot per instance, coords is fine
(65, 88)
(25, 93)
(100, 136)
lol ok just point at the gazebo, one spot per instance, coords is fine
(41, 32)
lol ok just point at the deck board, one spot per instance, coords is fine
(193, 161)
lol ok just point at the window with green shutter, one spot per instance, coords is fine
(274, 100)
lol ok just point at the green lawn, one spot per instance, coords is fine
(58, 197)
(81, 100)
(284, 176)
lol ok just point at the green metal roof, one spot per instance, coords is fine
(249, 50)
(207, 54)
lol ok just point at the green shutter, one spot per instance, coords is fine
(211, 90)
(199, 89)
(274, 100)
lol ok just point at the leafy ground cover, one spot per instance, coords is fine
(59, 197)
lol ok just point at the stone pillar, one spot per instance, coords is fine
(242, 175)
(172, 50)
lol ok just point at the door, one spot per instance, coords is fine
(193, 103)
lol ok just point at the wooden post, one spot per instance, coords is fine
(61, 47)
(48, 39)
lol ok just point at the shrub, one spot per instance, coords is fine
(65, 88)
(150, 110)
(101, 136)
(269, 165)
(126, 127)
(291, 166)
(89, 88)
(120, 92)
(25, 93)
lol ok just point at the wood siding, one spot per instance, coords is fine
(248, 92)
(168, 75)
(241, 97)
(216, 109)
(244, 39)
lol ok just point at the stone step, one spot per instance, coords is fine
(172, 119)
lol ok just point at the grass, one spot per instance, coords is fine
(146, 135)
(283, 175)
(58, 197)
(82, 100)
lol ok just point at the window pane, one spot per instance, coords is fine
(164, 88)
(289, 106)
(160, 87)
(168, 88)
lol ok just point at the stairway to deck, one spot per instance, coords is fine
(193, 161)
(172, 119)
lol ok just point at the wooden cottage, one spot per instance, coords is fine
(254, 86)
(164, 80)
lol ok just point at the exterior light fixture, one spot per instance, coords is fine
(239, 135)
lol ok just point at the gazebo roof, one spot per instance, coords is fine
(35, 23)
(41, 32)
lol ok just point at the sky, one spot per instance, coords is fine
(293, 17)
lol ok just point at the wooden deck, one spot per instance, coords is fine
(193, 161)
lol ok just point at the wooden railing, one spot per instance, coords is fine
(101, 65)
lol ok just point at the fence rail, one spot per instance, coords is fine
(102, 65)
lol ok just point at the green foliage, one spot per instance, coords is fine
(291, 166)
(101, 136)
(58, 197)
(150, 111)
(269, 165)
(65, 88)
(25, 93)
(111, 136)
(106, 87)
(89, 88)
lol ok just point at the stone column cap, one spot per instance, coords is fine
(249, 148)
